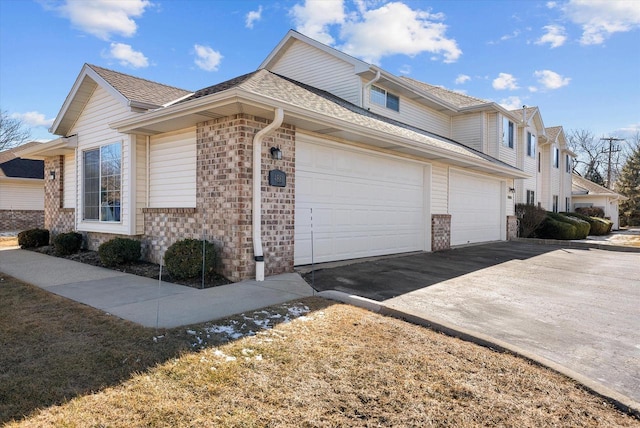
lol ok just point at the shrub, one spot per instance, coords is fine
(118, 251)
(530, 217)
(67, 243)
(33, 238)
(183, 259)
(582, 226)
(554, 229)
(598, 226)
(591, 211)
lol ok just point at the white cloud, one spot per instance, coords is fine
(555, 36)
(602, 18)
(550, 79)
(513, 35)
(127, 56)
(532, 89)
(552, 4)
(505, 81)
(314, 17)
(511, 103)
(33, 118)
(253, 16)
(462, 78)
(207, 59)
(405, 69)
(406, 31)
(102, 18)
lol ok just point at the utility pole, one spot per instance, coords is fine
(611, 150)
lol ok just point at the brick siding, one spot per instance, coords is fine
(12, 220)
(440, 232)
(512, 227)
(56, 218)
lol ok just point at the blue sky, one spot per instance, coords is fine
(578, 60)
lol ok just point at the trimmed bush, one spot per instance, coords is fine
(554, 229)
(33, 238)
(67, 243)
(598, 226)
(118, 251)
(591, 211)
(530, 217)
(582, 226)
(183, 259)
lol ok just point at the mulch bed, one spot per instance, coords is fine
(140, 268)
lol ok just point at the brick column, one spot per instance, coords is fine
(56, 218)
(512, 227)
(440, 232)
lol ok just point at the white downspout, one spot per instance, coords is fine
(148, 172)
(257, 191)
(365, 88)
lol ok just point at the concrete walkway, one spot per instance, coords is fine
(146, 301)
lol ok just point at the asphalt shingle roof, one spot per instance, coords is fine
(137, 89)
(23, 168)
(553, 132)
(580, 185)
(454, 98)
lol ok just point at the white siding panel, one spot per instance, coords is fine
(439, 189)
(493, 135)
(172, 171)
(467, 129)
(21, 195)
(141, 181)
(310, 65)
(69, 180)
(415, 114)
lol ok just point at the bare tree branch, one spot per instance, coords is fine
(12, 131)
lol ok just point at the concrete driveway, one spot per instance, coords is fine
(577, 308)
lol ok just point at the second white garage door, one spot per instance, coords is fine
(363, 204)
(475, 208)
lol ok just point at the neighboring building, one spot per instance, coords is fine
(364, 162)
(586, 193)
(21, 191)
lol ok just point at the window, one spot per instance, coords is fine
(531, 144)
(531, 197)
(567, 163)
(539, 161)
(381, 97)
(567, 205)
(507, 133)
(556, 157)
(555, 203)
(102, 183)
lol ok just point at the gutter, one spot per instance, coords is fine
(257, 191)
(365, 88)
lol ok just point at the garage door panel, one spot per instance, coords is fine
(363, 204)
(475, 208)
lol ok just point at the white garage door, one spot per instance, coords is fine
(475, 208)
(363, 204)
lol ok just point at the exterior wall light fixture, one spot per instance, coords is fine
(52, 175)
(512, 190)
(276, 153)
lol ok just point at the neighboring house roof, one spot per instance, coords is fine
(14, 167)
(455, 98)
(553, 132)
(138, 89)
(580, 186)
(276, 87)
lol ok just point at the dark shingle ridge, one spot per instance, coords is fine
(23, 168)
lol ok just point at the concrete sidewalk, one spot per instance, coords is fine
(147, 301)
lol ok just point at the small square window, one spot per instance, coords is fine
(381, 97)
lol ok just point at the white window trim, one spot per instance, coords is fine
(99, 221)
(386, 98)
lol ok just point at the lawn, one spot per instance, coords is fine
(306, 363)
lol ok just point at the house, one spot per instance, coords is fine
(316, 156)
(586, 193)
(21, 191)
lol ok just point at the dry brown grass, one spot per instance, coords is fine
(337, 366)
(8, 241)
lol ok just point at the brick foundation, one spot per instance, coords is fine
(512, 227)
(19, 220)
(440, 232)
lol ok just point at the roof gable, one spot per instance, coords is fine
(137, 93)
(23, 168)
(580, 186)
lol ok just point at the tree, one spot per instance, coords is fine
(592, 162)
(12, 131)
(629, 185)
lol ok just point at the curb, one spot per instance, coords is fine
(578, 244)
(620, 401)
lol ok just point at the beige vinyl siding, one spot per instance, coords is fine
(529, 166)
(414, 114)
(172, 170)
(69, 181)
(92, 128)
(494, 137)
(21, 194)
(467, 129)
(507, 154)
(511, 198)
(439, 189)
(141, 181)
(309, 65)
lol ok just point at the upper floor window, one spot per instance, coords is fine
(381, 97)
(556, 157)
(507, 133)
(567, 164)
(531, 144)
(101, 175)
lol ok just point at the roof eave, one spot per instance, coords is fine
(59, 146)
